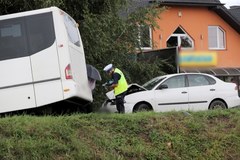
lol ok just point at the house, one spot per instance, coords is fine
(199, 25)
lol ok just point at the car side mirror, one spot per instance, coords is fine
(163, 86)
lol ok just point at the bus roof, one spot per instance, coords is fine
(27, 13)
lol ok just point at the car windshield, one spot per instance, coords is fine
(153, 82)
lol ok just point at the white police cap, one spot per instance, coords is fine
(108, 68)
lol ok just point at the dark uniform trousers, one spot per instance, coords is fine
(120, 102)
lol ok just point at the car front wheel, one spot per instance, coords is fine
(217, 104)
(142, 107)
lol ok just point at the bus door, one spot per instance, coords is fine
(44, 58)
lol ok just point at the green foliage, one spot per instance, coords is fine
(109, 38)
(146, 135)
(7, 7)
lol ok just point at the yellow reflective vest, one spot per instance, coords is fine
(122, 83)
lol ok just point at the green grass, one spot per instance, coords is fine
(167, 136)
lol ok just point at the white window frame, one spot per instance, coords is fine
(179, 35)
(218, 40)
(150, 38)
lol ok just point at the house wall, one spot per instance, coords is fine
(195, 21)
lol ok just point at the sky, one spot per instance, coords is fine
(230, 2)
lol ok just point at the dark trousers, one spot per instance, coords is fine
(120, 102)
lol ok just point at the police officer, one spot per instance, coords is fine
(119, 85)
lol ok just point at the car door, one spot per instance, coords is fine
(174, 96)
(201, 91)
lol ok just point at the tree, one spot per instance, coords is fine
(110, 38)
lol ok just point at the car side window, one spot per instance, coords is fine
(175, 82)
(211, 80)
(199, 80)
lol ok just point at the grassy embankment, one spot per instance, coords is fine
(174, 135)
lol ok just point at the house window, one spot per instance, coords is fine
(216, 38)
(145, 37)
(181, 39)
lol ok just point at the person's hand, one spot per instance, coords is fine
(110, 88)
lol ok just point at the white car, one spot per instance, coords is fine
(176, 92)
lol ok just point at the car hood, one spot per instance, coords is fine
(132, 88)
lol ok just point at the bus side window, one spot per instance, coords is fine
(42, 37)
(13, 39)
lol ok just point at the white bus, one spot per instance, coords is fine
(42, 60)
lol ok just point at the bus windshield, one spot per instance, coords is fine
(72, 30)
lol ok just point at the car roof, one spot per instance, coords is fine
(174, 74)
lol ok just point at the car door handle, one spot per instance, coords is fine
(212, 89)
(184, 92)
